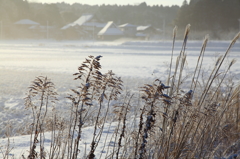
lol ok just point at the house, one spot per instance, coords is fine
(26, 22)
(128, 29)
(146, 31)
(21, 28)
(87, 26)
(110, 32)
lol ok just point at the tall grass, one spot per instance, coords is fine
(201, 121)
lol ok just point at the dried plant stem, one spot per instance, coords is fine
(173, 44)
(139, 132)
(75, 152)
(5, 153)
(93, 65)
(222, 79)
(207, 84)
(200, 57)
(123, 127)
(181, 59)
(105, 141)
(118, 127)
(93, 143)
(220, 64)
(237, 111)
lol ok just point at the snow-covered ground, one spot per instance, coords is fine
(19, 145)
(137, 62)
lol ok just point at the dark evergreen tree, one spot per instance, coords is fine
(214, 15)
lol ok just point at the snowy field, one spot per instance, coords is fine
(141, 61)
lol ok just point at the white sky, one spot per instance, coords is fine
(119, 2)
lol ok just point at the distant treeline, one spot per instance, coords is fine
(59, 14)
(209, 15)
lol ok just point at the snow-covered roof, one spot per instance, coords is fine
(67, 26)
(41, 27)
(126, 25)
(141, 28)
(26, 22)
(110, 29)
(83, 19)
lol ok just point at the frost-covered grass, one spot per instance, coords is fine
(194, 117)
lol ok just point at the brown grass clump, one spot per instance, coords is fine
(40, 97)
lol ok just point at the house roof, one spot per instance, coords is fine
(67, 26)
(126, 25)
(110, 29)
(140, 28)
(83, 19)
(80, 21)
(41, 27)
(26, 22)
